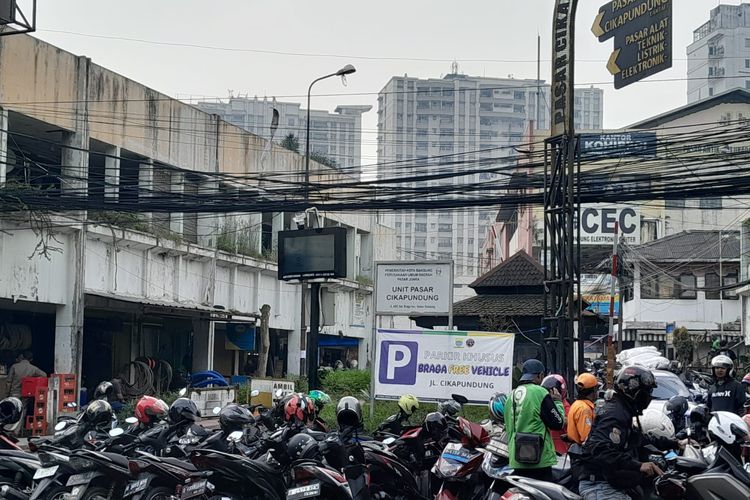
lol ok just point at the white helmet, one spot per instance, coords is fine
(656, 423)
(723, 361)
(728, 427)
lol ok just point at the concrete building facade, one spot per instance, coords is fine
(459, 119)
(337, 135)
(719, 57)
(88, 292)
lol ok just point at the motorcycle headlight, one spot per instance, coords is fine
(492, 469)
(446, 468)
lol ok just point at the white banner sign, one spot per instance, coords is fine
(598, 224)
(432, 365)
(413, 288)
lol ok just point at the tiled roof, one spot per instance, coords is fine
(519, 270)
(500, 305)
(698, 246)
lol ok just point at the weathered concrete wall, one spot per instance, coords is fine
(38, 80)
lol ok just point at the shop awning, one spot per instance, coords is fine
(336, 341)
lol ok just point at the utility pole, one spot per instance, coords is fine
(612, 291)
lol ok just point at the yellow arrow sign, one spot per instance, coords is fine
(612, 63)
(596, 28)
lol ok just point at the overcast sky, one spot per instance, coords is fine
(365, 34)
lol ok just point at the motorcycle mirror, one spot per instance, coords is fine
(61, 425)
(182, 391)
(235, 436)
(131, 420)
(117, 431)
(462, 400)
(216, 410)
(254, 393)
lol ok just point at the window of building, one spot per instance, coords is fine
(445, 228)
(747, 84)
(445, 243)
(687, 286)
(659, 286)
(730, 279)
(747, 43)
(710, 203)
(420, 227)
(712, 286)
(710, 91)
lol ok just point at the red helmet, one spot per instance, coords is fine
(746, 379)
(149, 409)
(299, 408)
(556, 381)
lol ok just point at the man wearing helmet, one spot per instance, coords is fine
(581, 414)
(530, 413)
(610, 464)
(726, 394)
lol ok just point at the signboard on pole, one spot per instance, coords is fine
(419, 288)
(617, 145)
(642, 30)
(598, 224)
(432, 364)
(563, 53)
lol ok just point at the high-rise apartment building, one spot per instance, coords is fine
(459, 118)
(719, 57)
(337, 135)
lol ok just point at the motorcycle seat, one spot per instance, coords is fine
(18, 454)
(176, 462)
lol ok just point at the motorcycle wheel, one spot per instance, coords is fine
(160, 494)
(57, 493)
(96, 493)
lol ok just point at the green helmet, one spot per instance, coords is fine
(320, 398)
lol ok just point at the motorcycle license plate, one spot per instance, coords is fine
(309, 491)
(136, 486)
(45, 472)
(454, 451)
(194, 489)
(84, 478)
(497, 448)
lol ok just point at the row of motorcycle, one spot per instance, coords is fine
(288, 452)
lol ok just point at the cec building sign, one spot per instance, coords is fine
(598, 224)
(413, 288)
(433, 364)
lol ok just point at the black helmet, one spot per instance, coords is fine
(105, 390)
(98, 412)
(234, 417)
(302, 446)
(676, 408)
(183, 410)
(435, 425)
(449, 408)
(10, 411)
(700, 415)
(348, 412)
(636, 384)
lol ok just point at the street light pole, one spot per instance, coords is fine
(346, 70)
(311, 346)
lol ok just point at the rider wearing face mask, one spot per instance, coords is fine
(726, 394)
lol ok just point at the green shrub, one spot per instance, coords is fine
(346, 383)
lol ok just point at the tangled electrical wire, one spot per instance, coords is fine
(705, 160)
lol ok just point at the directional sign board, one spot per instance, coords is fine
(642, 30)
